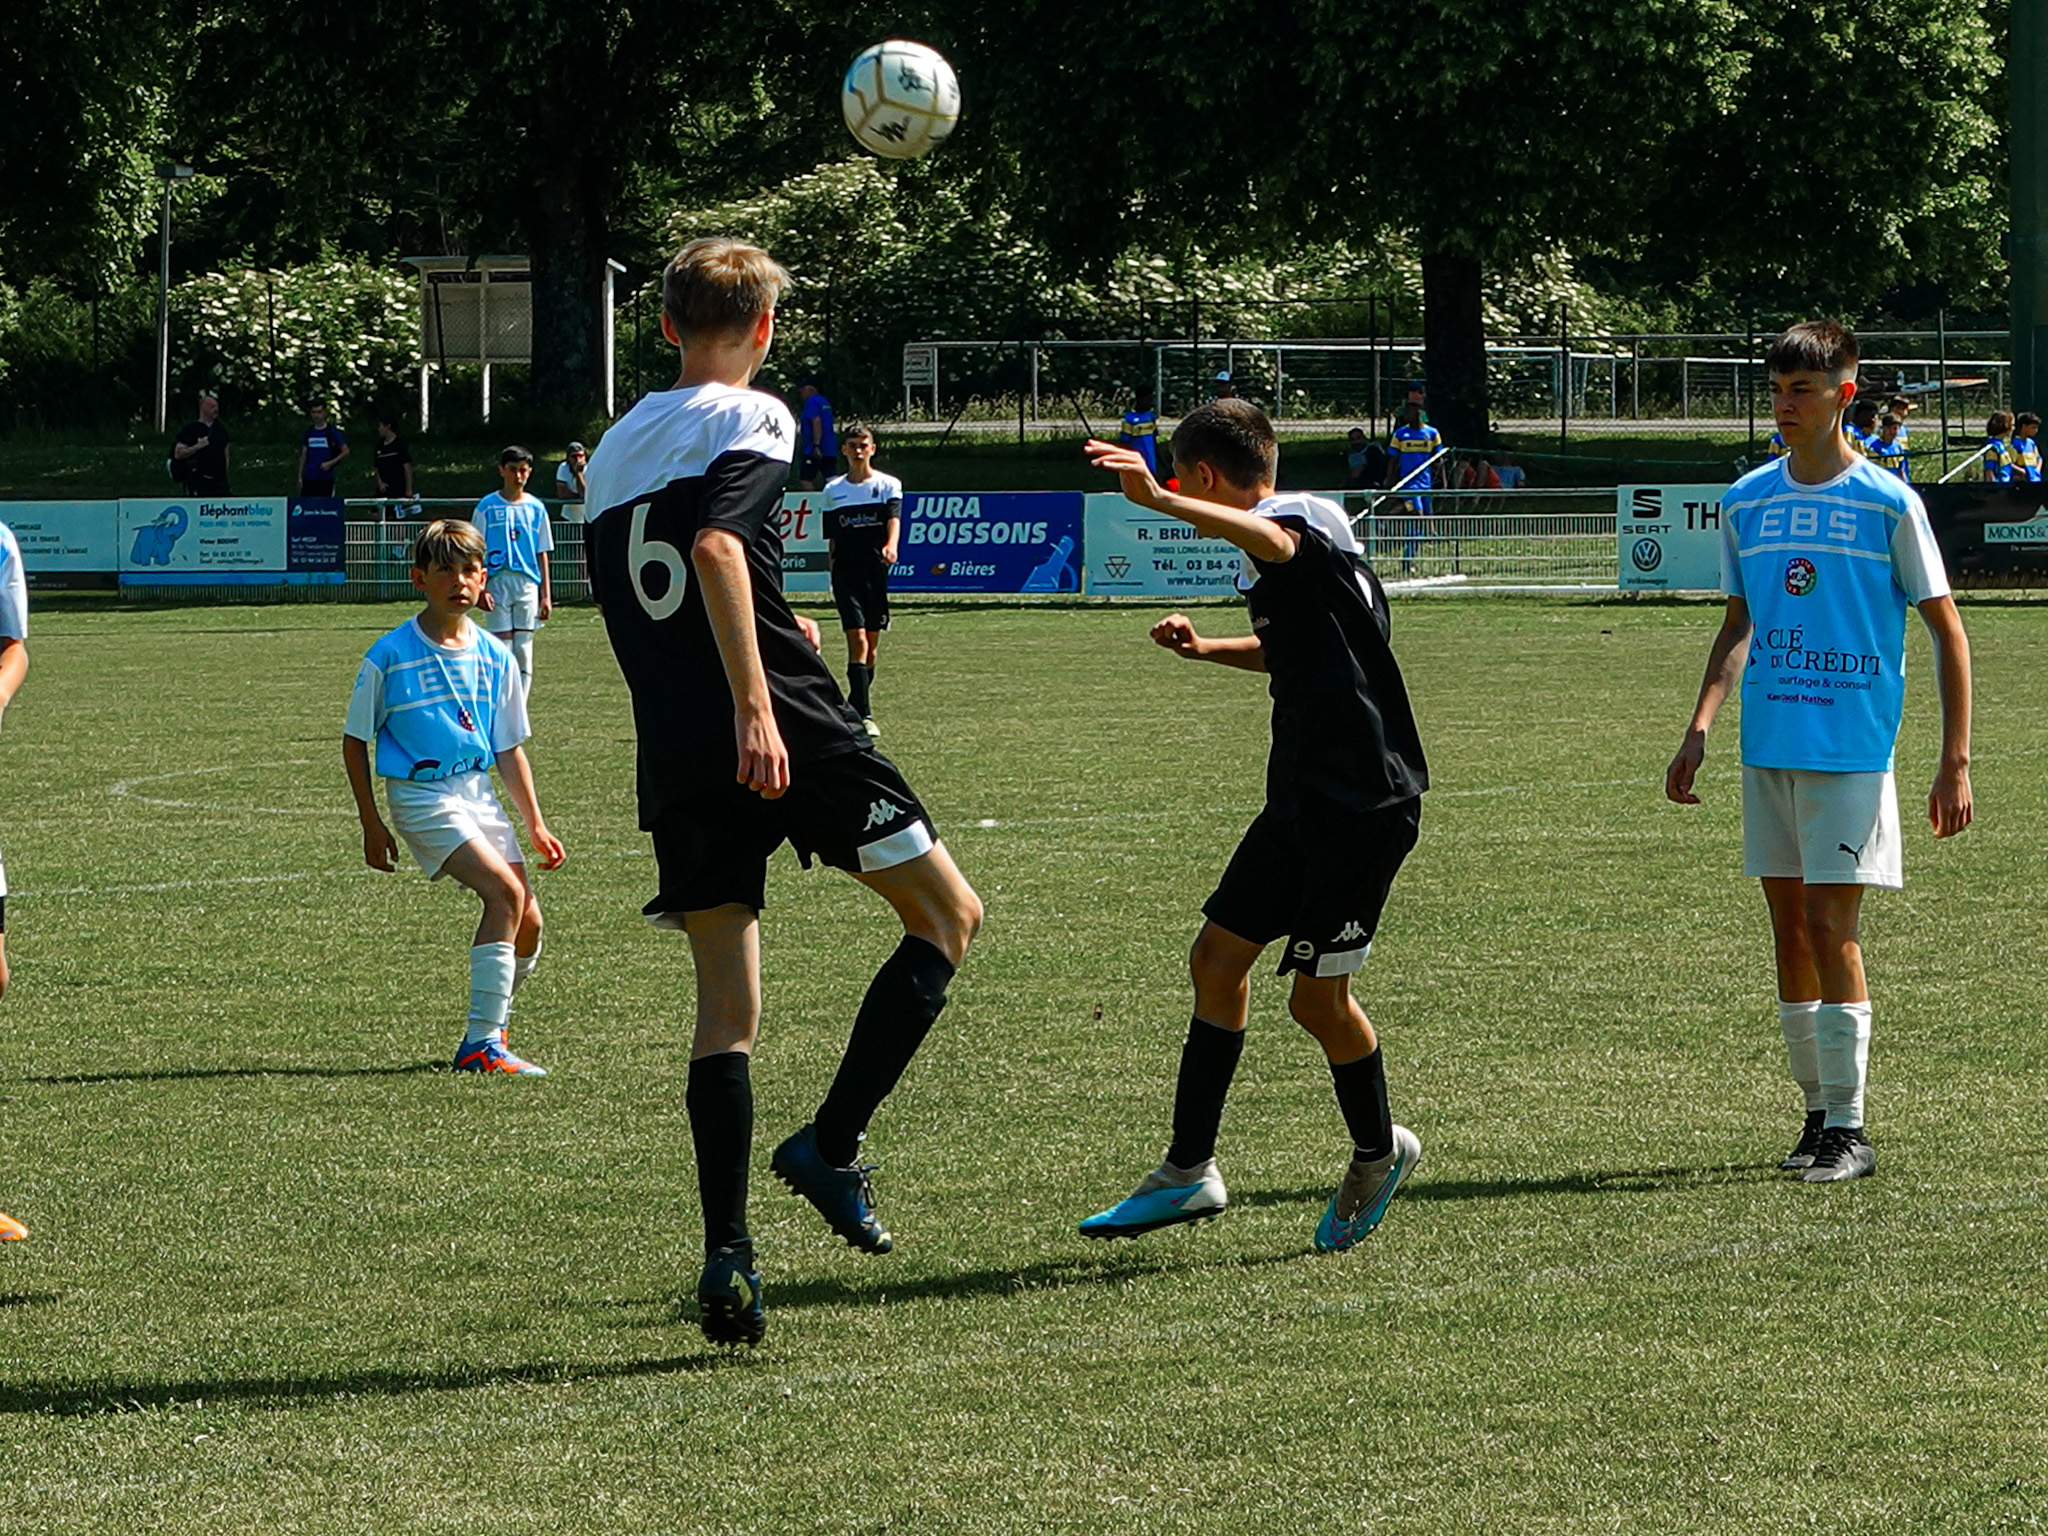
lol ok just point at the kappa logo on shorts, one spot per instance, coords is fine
(881, 813)
(1349, 931)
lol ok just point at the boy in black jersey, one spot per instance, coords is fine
(1343, 806)
(863, 519)
(745, 741)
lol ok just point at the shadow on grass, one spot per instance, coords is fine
(1609, 1182)
(195, 1074)
(96, 1398)
(31, 1298)
(1162, 1256)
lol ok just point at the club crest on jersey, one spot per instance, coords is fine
(1800, 576)
(881, 813)
(465, 719)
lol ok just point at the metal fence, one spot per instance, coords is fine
(379, 550)
(1490, 538)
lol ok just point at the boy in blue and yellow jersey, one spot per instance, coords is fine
(1412, 446)
(1888, 449)
(2026, 452)
(1821, 554)
(1141, 430)
(1861, 426)
(1999, 457)
(439, 701)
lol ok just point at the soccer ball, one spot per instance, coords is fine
(900, 98)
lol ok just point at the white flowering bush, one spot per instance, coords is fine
(341, 329)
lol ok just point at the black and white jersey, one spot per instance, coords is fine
(857, 512)
(679, 462)
(1343, 730)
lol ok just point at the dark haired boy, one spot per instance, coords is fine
(2026, 451)
(745, 742)
(863, 519)
(1821, 552)
(1999, 456)
(322, 447)
(1887, 450)
(521, 594)
(1343, 807)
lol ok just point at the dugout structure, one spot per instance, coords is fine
(479, 309)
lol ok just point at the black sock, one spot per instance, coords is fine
(1362, 1095)
(1208, 1061)
(857, 680)
(720, 1100)
(903, 1000)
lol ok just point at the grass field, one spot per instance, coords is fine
(288, 1274)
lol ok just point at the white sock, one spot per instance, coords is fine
(490, 990)
(1796, 1022)
(1842, 1031)
(522, 652)
(522, 967)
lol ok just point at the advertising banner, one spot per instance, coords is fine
(1135, 553)
(203, 542)
(1991, 535)
(65, 541)
(1001, 541)
(316, 541)
(802, 522)
(1669, 537)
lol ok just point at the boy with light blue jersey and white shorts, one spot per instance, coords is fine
(1822, 553)
(442, 701)
(13, 668)
(518, 542)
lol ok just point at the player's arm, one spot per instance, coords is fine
(13, 669)
(330, 463)
(1259, 537)
(547, 586)
(1724, 668)
(1177, 633)
(380, 848)
(1949, 806)
(410, 493)
(720, 562)
(893, 524)
(303, 451)
(517, 773)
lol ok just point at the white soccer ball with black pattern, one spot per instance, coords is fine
(900, 98)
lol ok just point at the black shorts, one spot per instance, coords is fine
(852, 810)
(860, 589)
(819, 466)
(310, 488)
(1318, 878)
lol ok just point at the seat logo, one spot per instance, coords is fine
(881, 813)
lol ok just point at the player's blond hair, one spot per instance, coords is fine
(448, 542)
(717, 284)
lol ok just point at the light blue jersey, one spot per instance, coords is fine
(436, 711)
(1827, 571)
(516, 534)
(13, 588)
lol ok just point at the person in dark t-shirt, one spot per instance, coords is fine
(391, 461)
(1344, 788)
(744, 742)
(201, 451)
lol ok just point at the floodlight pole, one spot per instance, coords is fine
(2029, 178)
(170, 174)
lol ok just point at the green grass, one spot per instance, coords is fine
(287, 1274)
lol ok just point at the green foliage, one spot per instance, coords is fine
(342, 330)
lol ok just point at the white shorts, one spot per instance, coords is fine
(1823, 828)
(515, 603)
(434, 820)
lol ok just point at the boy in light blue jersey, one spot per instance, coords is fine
(13, 669)
(519, 595)
(2026, 450)
(1822, 552)
(442, 701)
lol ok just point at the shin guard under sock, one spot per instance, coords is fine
(1796, 1021)
(903, 1000)
(1208, 1061)
(490, 990)
(1842, 1033)
(1362, 1096)
(720, 1099)
(859, 681)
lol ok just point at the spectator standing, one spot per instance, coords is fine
(1141, 429)
(391, 463)
(569, 474)
(817, 441)
(320, 452)
(1226, 386)
(201, 452)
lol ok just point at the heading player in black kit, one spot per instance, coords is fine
(1343, 805)
(745, 741)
